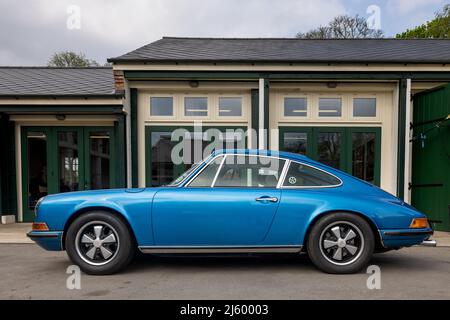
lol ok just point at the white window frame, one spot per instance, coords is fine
(197, 95)
(212, 110)
(174, 107)
(294, 96)
(365, 96)
(236, 96)
(344, 106)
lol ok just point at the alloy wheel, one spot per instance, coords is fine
(341, 243)
(97, 243)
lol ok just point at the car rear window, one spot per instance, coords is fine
(301, 175)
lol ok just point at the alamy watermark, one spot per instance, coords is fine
(73, 281)
(73, 21)
(374, 19)
(374, 280)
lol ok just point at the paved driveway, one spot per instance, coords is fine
(27, 272)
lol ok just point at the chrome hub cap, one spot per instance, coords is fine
(341, 243)
(97, 243)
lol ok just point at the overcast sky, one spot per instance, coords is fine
(32, 30)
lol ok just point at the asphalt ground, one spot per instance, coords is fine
(29, 272)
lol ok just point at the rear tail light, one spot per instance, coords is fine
(419, 223)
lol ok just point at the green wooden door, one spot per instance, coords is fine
(36, 159)
(355, 150)
(430, 185)
(64, 159)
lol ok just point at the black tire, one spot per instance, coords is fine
(323, 244)
(80, 247)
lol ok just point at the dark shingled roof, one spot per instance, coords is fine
(48, 81)
(171, 49)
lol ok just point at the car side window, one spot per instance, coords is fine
(300, 175)
(250, 172)
(206, 176)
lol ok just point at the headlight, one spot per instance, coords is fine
(36, 207)
(39, 226)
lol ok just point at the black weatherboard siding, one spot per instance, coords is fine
(169, 49)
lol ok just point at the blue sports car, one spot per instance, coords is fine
(235, 201)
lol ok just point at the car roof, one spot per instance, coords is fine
(269, 153)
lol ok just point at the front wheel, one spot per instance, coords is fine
(340, 243)
(99, 243)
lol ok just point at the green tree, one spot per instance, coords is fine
(343, 27)
(439, 27)
(67, 59)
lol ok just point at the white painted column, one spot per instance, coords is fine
(127, 108)
(141, 141)
(408, 146)
(261, 135)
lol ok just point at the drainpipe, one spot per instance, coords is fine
(263, 119)
(408, 145)
(261, 137)
(404, 108)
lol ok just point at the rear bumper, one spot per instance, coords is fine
(49, 240)
(397, 238)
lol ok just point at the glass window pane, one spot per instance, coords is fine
(100, 157)
(68, 161)
(206, 177)
(364, 107)
(193, 145)
(249, 172)
(295, 142)
(161, 106)
(329, 148)
(295, 107)
(37, 167)
(162, 165)
(300, 175)
(363, 155)
(230, 107)
(195, 107)
(330, 107)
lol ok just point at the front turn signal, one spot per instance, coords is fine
(419, 223)
(39, 226)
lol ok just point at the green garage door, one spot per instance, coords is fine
(430, 186)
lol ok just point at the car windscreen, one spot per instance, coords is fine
(183, 176)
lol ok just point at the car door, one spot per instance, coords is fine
(231, 202)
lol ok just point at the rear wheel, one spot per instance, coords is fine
(340, 243)
(99, 243)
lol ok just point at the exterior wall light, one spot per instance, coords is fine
(332, 85)
(193, 84)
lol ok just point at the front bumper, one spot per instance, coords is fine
(49, 240)
(397, 238)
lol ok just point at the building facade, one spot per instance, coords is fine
(375, 109)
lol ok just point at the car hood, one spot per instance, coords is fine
(103, 194)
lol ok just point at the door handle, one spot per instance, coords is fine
(269, 199)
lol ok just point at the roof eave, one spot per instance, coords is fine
(212, 61)
(63, 96)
